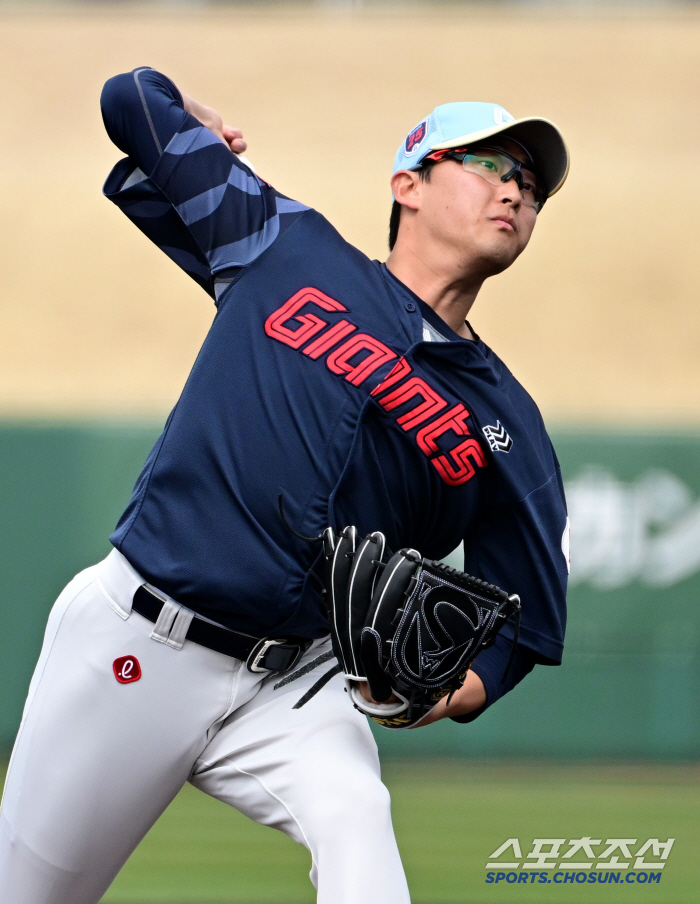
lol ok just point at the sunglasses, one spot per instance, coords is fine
(495, 166)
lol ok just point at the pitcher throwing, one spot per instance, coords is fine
(357, 394)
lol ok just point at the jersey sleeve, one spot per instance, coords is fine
(182, 186)
(491, 665)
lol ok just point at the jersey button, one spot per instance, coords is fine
(410, 307)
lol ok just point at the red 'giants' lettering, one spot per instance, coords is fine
(464, 470)
(328, 339)
(400, 370)
(359, 356)
(307, 324)
(339, 361)
(454, 419)
(431, 404)
(459, 465)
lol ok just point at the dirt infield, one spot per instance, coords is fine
(599, 319)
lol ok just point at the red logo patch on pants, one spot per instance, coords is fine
(126, 669)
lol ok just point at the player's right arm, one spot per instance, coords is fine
(182, 185)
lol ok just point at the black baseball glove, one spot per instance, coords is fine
(409, 626)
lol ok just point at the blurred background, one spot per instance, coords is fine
(599, 320)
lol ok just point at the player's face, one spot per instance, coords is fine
(486, 223)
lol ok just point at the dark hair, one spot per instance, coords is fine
(395, 218)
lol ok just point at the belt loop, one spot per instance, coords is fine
(161, 631)
(180, 627)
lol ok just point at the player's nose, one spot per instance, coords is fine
(509, 193)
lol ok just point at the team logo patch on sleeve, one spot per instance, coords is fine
(415, 138)
(126, 669)
(498, 438)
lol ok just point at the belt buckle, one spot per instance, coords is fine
(259, 651)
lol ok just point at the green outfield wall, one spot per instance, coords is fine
(630, 682)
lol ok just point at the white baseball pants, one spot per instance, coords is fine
(96, 761)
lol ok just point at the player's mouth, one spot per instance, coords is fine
(505, 221)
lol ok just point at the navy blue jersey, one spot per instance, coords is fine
(326, 380)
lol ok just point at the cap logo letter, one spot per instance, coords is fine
(501, 116)
(415, 138)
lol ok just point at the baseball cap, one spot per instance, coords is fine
(459, 124)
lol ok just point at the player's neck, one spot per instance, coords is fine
(442, 286)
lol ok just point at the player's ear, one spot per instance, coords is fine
(406, 187)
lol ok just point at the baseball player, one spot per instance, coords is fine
(331, 390)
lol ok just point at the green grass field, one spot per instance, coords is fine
(449, 817)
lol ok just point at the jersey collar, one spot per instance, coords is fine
(428, 314)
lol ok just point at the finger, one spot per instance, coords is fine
(234, 139)
(365, 691)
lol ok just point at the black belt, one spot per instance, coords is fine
(260, 654)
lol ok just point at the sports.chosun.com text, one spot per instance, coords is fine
(560, 878)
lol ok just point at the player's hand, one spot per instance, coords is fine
(367, 694)
(212, 119)
(471, 696)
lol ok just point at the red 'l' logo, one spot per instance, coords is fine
(126, 669)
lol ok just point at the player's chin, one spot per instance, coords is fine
(500, 255)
